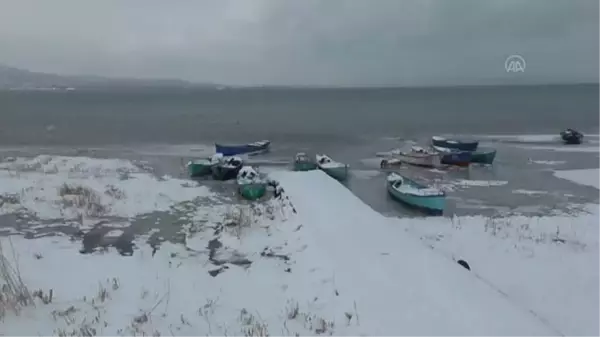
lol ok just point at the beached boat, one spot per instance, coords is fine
(250, 148)
(463, 145)
(203, 167)
(302, 162)
(419, 158)
(334, 169)
(250, 184)
(416, 195)
(453, 156)
(570, 136)
(483, 156)
(227, 169)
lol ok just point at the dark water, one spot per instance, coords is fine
(168, 128)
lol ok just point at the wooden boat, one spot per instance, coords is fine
(570, 136)
(417, 158)
(416, 195)
(250, 185)
(227, 169)
(463, 145)
(483, 156)
(454, 157)
(302, 162)
(334, 169)
(203, 167)
(250, 148)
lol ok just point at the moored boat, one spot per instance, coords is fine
(390, 163)
(302, 162)
(419, 157)
(463, 145)
(334, 169)
(570, 136)
(453, 156)
(250, 148)
(203, 167)
(227, 169)
(250, 184)
(483, 156)
(416, 195)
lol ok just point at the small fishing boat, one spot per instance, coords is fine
(453, 156)
(483, 156)
(250, 148)
(302, 162)
(390, 163)
(203, 167)
(419, 157)
(250, 185)
(416, 195)
(334, 169)
(227, 169)
(463, 145)
(570, 136)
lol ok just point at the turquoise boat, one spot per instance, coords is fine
(203, 167)
(302, 162)
(250, 185)
(483, 156)
(334, 169)
(405, 190)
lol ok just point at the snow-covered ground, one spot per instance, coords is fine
(315, 261)
(588, 177)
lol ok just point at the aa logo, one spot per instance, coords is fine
(515, 64)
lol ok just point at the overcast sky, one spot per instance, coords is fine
(305, 42)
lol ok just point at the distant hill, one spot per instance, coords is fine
(19, 79)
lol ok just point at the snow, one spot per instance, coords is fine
(390, 276)
(438, 138)
(326, 162)
(90, 187)
(563, 148)
(248, 175)
(587, 177)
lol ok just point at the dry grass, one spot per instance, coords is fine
(82, 198)
(238, 218)
(14, 294)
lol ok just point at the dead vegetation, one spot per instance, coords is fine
(83, 198)
(14, 294)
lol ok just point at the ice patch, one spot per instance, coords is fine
(565, 148)
(529, 192)
(56, 187)
(365, 174)
(548, 162)
(480, 183)
(587, 177)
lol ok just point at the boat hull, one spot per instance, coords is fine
(338, 173)
(220, 172)
(428, 160)
(463, 145)
(200, 169)
(252, 191)
(483, 156)
(429, 204)
(457, 158)
(304, 166)
(571, 138)
(233, 150)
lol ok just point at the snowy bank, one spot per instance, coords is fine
(56, 187)
(589, 177)
(317, 260)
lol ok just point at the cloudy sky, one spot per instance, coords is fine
(305, 42)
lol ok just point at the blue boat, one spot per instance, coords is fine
(463, 145)
(454, 157)
(250, 148)
(405, 190)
